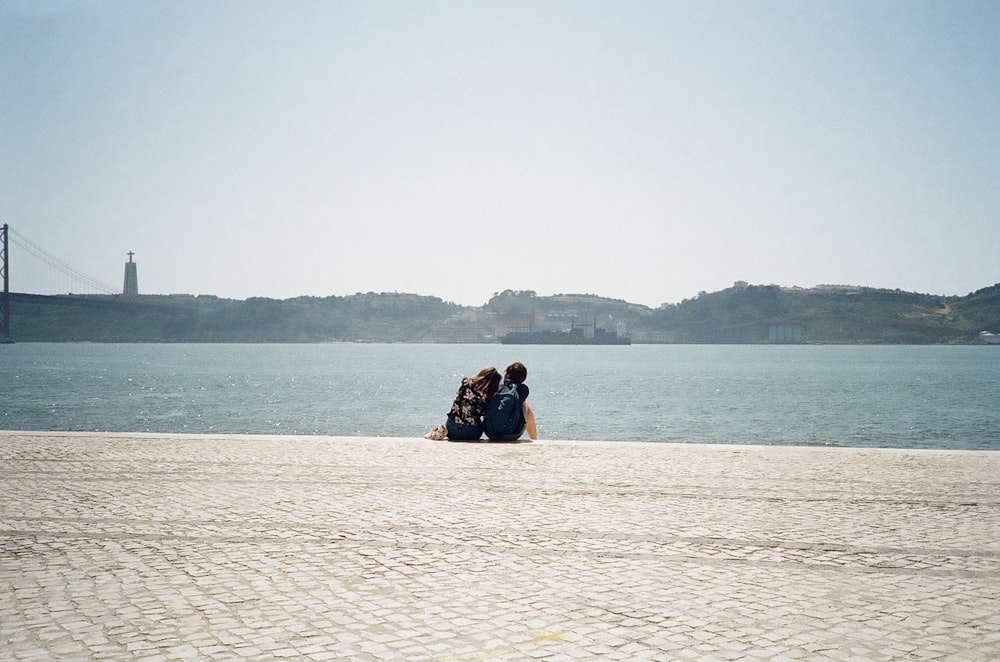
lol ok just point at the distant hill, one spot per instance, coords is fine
(740, 314)
(828, 315)
(177, 318)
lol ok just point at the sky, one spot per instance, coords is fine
(638, 150)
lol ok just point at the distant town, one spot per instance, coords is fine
(743, 313)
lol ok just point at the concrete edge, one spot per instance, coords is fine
(540, 442)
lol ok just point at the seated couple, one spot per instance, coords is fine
(485, 404)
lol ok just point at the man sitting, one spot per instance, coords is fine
(508, 413)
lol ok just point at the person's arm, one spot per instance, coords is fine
(529, 419)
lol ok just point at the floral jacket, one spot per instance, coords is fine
(469, 405)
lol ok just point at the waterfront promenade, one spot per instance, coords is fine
(170, 547)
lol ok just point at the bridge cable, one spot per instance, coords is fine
(60, 265)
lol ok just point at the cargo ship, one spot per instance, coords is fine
(574, 336)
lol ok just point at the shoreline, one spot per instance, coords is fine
(230, 436)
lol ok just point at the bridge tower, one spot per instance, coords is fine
(5, 295)
(131, 277)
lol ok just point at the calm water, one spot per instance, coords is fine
(905, 397)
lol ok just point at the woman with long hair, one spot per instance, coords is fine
(465, 420)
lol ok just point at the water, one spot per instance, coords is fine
(867, 396)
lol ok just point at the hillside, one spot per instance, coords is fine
(361, 317)
(741, 314)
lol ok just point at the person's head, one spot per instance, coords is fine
(516, 372)
(487, 381)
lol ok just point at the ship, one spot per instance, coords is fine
(989, 338)
(573, 336)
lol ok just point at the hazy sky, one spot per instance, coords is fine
(638, 150)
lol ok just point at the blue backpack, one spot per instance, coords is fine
(504, 418)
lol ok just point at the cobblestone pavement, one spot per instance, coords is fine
(158, 547)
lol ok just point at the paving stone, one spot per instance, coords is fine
(194, 547)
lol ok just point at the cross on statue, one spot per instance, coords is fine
(130, 254)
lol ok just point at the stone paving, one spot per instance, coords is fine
(170, 547)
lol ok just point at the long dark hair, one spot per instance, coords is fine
(487, 382)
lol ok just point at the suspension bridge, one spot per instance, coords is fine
(52, 277)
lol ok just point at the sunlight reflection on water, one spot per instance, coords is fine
(926, 396)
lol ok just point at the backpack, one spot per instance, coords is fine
(504, 419)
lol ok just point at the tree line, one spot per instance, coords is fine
(737, 314)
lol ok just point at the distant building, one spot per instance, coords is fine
(828, 287)
(131, 279)
(784, 333)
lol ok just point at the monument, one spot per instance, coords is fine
(131, 279)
